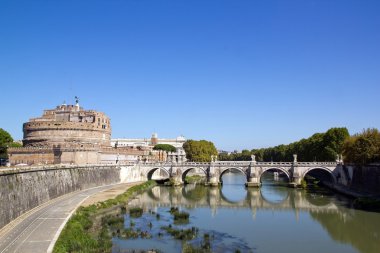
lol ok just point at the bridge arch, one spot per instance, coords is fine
(150, 172)
(195, 193)
(325, 170)
(225, 170)
(226, 199)
(275, 168)
(153, 194)
(187, 170)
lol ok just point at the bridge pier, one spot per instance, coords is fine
(213, 181)
(253, 182)
(176, 176)
(213, 177)
(176, 181)
(295, 181)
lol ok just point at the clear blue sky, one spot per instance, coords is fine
(243, 74)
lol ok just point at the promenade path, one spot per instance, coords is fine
(37, 230)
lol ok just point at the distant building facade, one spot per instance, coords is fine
(146, 142)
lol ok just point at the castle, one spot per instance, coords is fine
(69, 134)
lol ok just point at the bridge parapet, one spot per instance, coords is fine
(316, 164)
(239, 163)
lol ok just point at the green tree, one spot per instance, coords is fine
(6, 141)
(363, 148)
(333, 142)
(224, 157)
(199, 151)
(259, 154)
(5, 137)
(165, 147)
(318, 147)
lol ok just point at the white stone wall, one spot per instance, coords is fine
(130, 174)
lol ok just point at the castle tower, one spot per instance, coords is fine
(68, 126)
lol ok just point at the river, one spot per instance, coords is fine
(233, 218)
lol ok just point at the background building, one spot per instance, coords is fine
(146, 142)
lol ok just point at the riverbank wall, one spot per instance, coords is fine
(363, 179)
(22, 189)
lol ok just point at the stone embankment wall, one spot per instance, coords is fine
(130, 174)
(364, 178)
(22, 189)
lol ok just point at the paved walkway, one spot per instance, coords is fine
(38, 230)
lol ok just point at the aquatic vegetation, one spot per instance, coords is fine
(135, 212)
(206, 242)
(112, 221)
(179, 217)
(182, 234)
(90, 228)
(205, 246)
(188, 248)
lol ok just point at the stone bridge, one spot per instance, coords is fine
(332, 172)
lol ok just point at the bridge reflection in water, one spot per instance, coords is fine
(323, 219)
(267, 197)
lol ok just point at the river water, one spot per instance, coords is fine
(233, 218)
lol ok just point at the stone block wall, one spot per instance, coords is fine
(24, 189)
(41, 134)
(31, 156)
(364, 178)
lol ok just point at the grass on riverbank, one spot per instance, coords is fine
(82, 235)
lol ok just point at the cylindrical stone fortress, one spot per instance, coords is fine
(68, 126)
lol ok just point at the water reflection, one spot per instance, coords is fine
(316, 220)
(235, 195)
(233, 187)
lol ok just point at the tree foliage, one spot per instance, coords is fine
(165, 147)
(5, 137)
(318, 147)
(363, 148)
(245, 155)
(6, 141)
(199, 151)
